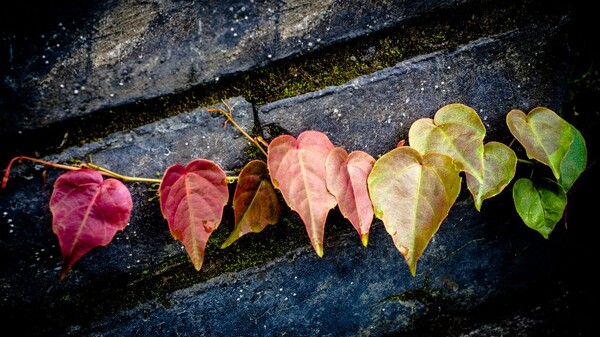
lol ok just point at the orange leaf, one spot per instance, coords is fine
(347, 181)
(297, 169)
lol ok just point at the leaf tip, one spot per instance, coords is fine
(319, 249)
(478, 203)
(413, 270)
(231, 239)
(63, 272)
(364, 238)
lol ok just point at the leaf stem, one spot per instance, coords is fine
(229, 115)
(35, 160)
(112, 174)
(525, 161)
(102, 170)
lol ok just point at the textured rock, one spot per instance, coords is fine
(478, 267)
(492, 75)
(120, 51)
(352, 290)
(30, 254)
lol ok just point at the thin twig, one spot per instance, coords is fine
(229, 115)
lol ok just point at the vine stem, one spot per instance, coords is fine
(106, 172)
(102, 170)
(229, 115)
(524, 161)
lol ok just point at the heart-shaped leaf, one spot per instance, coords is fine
(545, 136)
(297, 169)
(87, 211)
(541, 207)
(499, 168)
(412, 195)
(457, 131)
(192, 199)
(255, 203)
(347, 181)
(574, 162)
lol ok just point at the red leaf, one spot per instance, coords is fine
(192, 199)
(297, 169)
(87, 211)
(347, 181)
(255, 203)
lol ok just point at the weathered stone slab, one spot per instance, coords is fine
(474, 258)
(30, 254)
(493, 75)
(125, 50)
(352, 290)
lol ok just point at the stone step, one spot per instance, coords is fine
(272, 283)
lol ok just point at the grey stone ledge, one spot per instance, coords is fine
(128, 50)
(493, 75)
(26, 235)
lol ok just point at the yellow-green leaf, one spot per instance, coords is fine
(499, 167)
(545, 135)
(457, 131)
(412, 194)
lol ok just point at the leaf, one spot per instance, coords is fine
(412, 195)
(545, 136)
(499, 165)
(255, 203)
(347, 181)
(457, 131)
(87, 211)
(297, 169)
(574, 162)
(540, 207)
(192, 199)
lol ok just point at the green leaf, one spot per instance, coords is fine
(457, 131)
(545, 135)
(574, 162)
(412, 195)
(255, 204)
(541, 207)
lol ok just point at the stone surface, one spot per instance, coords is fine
(30, 256)
(483, 274)
(119, 51)
(492, 75)
(352, 290)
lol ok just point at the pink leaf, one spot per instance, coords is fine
(192, 199)
(87, 211)
(255, 203)
(347, 181)
(297, 169)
